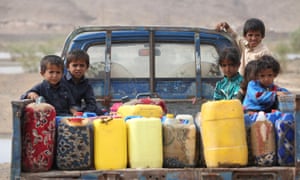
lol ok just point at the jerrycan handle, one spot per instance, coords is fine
(132, 117)
(185, 119)
(105, 119)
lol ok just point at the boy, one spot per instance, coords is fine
(53, 91)
(229, 86)
(250, 45)
(77, 62)
(262, 93)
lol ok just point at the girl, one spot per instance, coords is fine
(228, 87)
(262, 93)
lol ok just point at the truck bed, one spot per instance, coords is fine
(257, 173)
(249, 172)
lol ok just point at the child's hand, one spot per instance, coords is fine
(32, 95)
(223, 26)
(73, 111)
(242, 91)
(281, 93)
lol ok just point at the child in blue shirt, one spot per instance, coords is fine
(51, 89)
(262, 93)
(229, 86)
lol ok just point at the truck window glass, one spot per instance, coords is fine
(180, 60)
(209, 61)
(131, 60)
(97, 62)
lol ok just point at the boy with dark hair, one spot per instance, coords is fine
(229, 86)
(77, 63)
(250, 44)
(51, 89)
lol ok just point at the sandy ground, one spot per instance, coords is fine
(5, 171)
(13, 85)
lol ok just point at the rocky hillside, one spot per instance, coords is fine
(56, 16)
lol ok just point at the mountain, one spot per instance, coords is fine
(25, 17)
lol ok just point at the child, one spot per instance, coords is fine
(228, 87)
(53, 91)
(262, 93)
(77, 63)
(248, 75)
(250, 45)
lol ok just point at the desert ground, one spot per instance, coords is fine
(12, 86)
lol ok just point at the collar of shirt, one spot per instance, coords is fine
(248, 49)
(48, 85)
(272, 87)
(69, 77)
(237, 76)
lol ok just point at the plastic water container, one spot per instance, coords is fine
(285, 139)
(145, 149)
(224, 134)
(263, 141)
(74, 134)
(286, 103)
(179, 142)
(110, 143)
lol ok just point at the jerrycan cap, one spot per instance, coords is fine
(170, 115)
(78, 113)
(75, 119)
(261, 116)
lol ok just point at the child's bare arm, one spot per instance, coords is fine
(224, 26)
(73, 111)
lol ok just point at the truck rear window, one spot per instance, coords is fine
(131, 60)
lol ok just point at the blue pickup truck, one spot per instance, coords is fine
(177, 64)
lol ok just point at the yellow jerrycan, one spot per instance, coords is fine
(110, 143)
(223, 133)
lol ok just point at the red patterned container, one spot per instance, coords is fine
(38, 137)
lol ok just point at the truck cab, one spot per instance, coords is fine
(177, 64)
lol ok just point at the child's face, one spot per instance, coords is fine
(266, 77)
(53, 74)
(77, 69)
(228, 68)
(253, 38)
